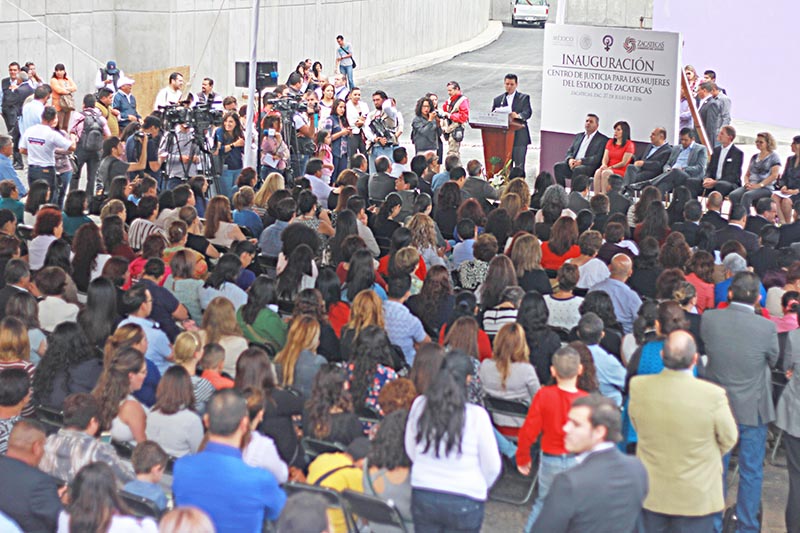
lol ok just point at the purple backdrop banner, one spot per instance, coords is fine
(750, 45)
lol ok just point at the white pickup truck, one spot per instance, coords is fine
(529, 12)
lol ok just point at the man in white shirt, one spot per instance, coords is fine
(172, 93)
(382, 119)
(40, 143)
(586, 153)
(318, 185)
(356, 112)
(32, 111)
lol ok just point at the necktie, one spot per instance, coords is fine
(505, 101)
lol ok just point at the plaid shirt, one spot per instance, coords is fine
(69, 450)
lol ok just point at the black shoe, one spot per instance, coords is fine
(639, 185)
(18, 166)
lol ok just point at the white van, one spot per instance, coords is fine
(529, 12)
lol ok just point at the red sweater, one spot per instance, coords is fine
(546, 416)
(484, 344)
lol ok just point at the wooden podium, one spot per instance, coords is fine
(497, 134)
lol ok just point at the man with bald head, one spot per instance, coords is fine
(28, 495)
(685, 427)
(651, 163)
(713, 214)
(626, 301)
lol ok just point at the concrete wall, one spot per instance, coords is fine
(151, 34)
(620, 13)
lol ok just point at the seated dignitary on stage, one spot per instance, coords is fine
(687, 160)
(724, 171)
(652, 161)
(586, 153)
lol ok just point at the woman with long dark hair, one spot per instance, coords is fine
(447, 203)
(619, 152)
(90, 256)
(701, 274)
(542, 342)
(95, 505)
(120, 412)
(675, 252)
(229, 145)
(222, 282)
(646, 268)
(172, 422)
(465, 304)
(220, 229)
(434, 303)
(361, 276)
(337, 124)
(346, 225)
(329, 412)
(259, 319)
(427, 362)
(453, 452)
(370, 369)
(542, 182)
(297, 275)
(70, 365)
(385, 224)
(655, 224)
(600, 303)
(99, 318)
(331, 290)
(38, 195)
(59, 254)
(638, 211)
(501, 274)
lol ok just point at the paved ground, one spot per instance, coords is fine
(480, 74)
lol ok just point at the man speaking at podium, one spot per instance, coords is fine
(519, 105)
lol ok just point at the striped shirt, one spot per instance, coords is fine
(139, 231)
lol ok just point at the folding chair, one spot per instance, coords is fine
(51, 419)
(267, 265)
(515, 410)
(315, 447)
(373, 509)
(331, 497)
(139, 506)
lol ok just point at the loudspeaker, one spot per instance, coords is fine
(266, 74)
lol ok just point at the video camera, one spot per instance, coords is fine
(201, 117)
(287, 104)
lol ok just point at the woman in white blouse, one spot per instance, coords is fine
(171, 422)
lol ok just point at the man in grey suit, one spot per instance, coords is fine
(477, 187)
(585, 154)
(604, 493)
(687, 160)
(710, 111)
(742, 346)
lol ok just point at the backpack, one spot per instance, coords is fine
(92, 136)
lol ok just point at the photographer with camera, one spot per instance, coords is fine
(229, 147)
(151, 127)
(455, 114)
(304, 120)
(381, 128)
(179, 149)
(425, 129)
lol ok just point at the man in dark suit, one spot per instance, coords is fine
(18, 279)
(714, 207)
(617, 202)
(381, 183)
(652, 161)
(586, 153)
(604, 492)
(790, 233)
(576, 200)
(724, 171)
(742, 347)
(735, 231)
(520, 104)
(27, 495)
(692, 212)
(766, 215)
(477, 187)
(359, 165)
(709, 111)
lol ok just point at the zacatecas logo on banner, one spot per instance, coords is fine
(618, 74)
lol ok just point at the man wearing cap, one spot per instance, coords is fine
(108, 77)
(125, 103)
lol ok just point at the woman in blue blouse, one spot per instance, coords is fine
(230, 147)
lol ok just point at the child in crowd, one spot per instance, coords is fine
(149, 461)
(325, 153)
(212, 362)
(405, 262)
(547, 417)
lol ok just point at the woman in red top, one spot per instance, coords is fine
(701, 275)
(466, 305)
(562, 244)
(619, 152)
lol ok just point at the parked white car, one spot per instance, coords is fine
(529, 12)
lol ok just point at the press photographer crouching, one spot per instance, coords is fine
(151, 128)
(112, 164)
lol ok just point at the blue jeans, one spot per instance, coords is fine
(436, 512)
(376, 151)
(62, 180)
(549, 467)
(752, 447)
(348, 71)
(506, 447)
(48, 174)
(173, 182)
(226, 181)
